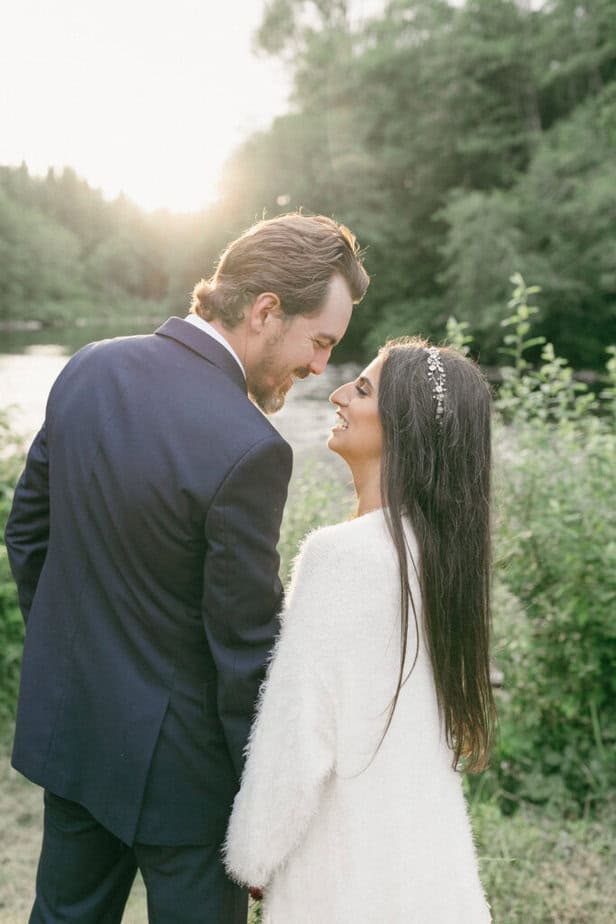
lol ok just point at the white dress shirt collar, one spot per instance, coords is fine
(211, 330)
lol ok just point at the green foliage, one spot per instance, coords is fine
(538, 869)
(557, 224)
(39, 261)
(255, 912)
(457, 336)
(482, 243)
(416, 315)
(66, 253)
(558, 556)
(11, 622)
(609, 392)
(549, 392)
(457, 141)
(557, 549)
(315, 499)
(556, 639)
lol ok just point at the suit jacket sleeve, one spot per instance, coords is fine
(242, 593)
(293, 742)
(27, 528)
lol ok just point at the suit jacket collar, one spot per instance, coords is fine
(201, 343)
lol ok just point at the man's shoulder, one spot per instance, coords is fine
(237, 416)
(183, 386)
(235, 431)
(108, 348)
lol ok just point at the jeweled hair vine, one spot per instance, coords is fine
(438, 380)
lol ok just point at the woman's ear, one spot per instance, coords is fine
(264, 311)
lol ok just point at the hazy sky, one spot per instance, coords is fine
(145, 97)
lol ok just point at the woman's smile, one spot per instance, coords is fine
(357, 415)
(342, 423)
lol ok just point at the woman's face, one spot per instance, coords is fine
(358, 435)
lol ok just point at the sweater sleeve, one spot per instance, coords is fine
(292, 743)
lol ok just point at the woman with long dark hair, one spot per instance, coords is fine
(378, 693)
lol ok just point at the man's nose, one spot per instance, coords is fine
(318, 364)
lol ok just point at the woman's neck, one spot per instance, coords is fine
(367, 481)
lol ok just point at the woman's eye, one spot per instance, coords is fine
(361, 391)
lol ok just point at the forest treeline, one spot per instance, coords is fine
(460, 143)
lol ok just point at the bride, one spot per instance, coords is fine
(378, 692)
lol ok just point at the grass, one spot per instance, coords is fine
(21, 810)
(537, 869)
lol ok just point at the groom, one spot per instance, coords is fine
(143, 542)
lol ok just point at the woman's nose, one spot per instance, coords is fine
(340, 396)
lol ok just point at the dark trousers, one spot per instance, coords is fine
(85, 875)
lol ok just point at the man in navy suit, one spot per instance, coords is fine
(143, 542)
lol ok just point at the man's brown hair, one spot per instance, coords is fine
(295, 256)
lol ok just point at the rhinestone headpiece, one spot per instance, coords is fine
(438, 380)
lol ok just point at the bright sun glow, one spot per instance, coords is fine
(141, 97)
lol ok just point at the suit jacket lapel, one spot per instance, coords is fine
(199, 342)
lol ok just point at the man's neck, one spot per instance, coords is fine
(236, 338)
(223, 331)
(228, 338)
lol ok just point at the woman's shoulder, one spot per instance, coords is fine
(350, 551)
(369, 531)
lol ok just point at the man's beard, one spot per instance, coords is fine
(270, 398)
(269, 401)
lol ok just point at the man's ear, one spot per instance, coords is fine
(265, 309)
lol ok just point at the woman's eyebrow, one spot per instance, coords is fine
(363, 380)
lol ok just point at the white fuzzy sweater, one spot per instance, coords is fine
(333, 844)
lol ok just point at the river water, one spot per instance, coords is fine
(30, 360)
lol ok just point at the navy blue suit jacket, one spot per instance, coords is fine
(143, 542)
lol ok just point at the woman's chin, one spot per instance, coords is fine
(332, 442)
(336, 444)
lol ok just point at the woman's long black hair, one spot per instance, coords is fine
(436, 471)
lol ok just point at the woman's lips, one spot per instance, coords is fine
(341, 424)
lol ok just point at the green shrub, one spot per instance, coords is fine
(556, 555)
(11, 623)
(557, 550)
